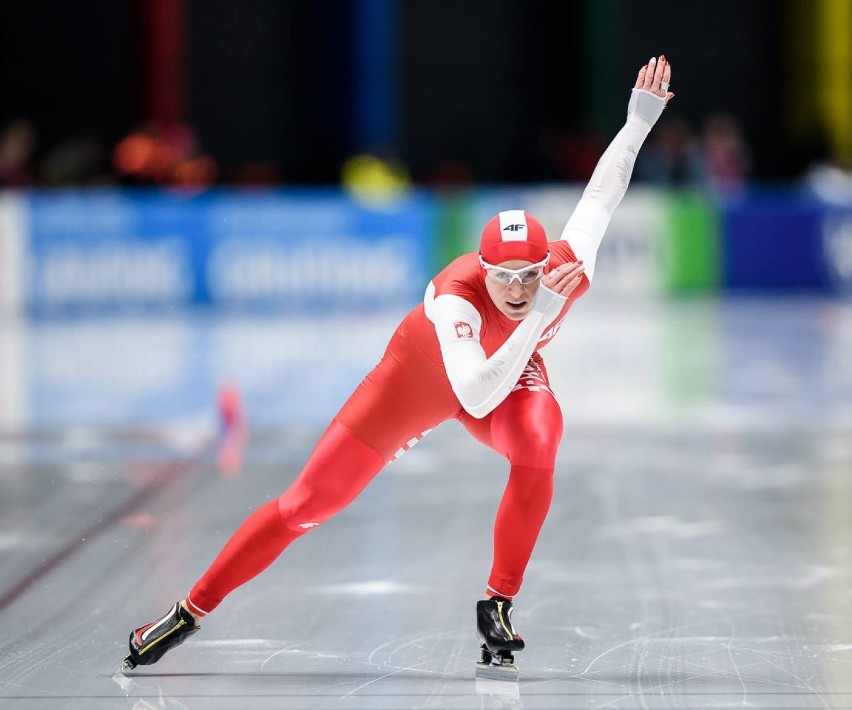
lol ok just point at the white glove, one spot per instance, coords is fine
(646, 106)
(548, 303)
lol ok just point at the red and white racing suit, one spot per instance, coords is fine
(453, 356)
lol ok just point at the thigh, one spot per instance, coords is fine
(399, 402)
(526, 427)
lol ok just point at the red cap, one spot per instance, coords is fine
(513, 234)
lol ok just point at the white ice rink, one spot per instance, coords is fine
(698, 553)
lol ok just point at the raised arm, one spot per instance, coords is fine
(587, 224)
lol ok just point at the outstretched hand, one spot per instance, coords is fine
(655, 77)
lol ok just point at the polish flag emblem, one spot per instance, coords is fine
(463, 330)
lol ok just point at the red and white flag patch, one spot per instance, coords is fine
(463, 330)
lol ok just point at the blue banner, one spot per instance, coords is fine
(113, 249)
(787, 240)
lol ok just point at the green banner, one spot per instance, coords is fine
(690, 243)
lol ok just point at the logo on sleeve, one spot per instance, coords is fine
(463, 330)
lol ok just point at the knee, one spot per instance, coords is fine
(528, 429)
(302, 508)
(295, 510)
(530, 486)
(535, 447)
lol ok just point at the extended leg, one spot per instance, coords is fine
(336, 472)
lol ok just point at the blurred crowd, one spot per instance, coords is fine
(149, 155)
(715, 158)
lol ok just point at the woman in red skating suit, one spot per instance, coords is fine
(470, 352)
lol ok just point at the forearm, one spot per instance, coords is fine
(612, 174)
(481, 384)
(609, 182)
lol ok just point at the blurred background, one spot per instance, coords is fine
(176, 165)
(281, 91)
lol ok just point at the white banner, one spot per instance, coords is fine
(12, 236)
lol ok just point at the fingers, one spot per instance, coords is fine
(658, 74)
(667, 78)
(565, 278)
(653, 75)
(649, 74)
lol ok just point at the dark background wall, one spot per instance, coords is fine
(484, 86)
(71, 67)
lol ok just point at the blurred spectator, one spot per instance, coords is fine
(78, 160)
(830, 179)
(375, 180)
(450, 174)
(725, 156)
(256, 174)
(164, 156)
(17, 147)
(569, 155)
(673, 157)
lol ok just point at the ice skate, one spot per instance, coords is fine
(148, 643)
(499, 640)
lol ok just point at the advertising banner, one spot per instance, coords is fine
(112, 249)
(836, 252)
(690, 243)
(12, 239)
(774, 242)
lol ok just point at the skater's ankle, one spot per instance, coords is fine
(196, 617)
(491, 593)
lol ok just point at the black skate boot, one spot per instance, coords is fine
(148, 643)
(499, 639)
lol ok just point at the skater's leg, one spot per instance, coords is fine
(527, 428)
(336, 472)
(252, 548)
(402, 397)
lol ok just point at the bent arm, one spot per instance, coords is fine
(481, 382)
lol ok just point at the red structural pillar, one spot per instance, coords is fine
(164, 47)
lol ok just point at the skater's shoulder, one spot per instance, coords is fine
(461, 277)
(561, 253)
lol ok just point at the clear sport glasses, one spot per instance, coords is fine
(504, 277)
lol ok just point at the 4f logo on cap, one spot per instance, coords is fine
(463, 330)
(513, 226)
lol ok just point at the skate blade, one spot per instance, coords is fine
(127, 665)
(122, 681)
(491, 671)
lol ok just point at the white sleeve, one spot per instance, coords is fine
(587, 224)
(481, 383)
